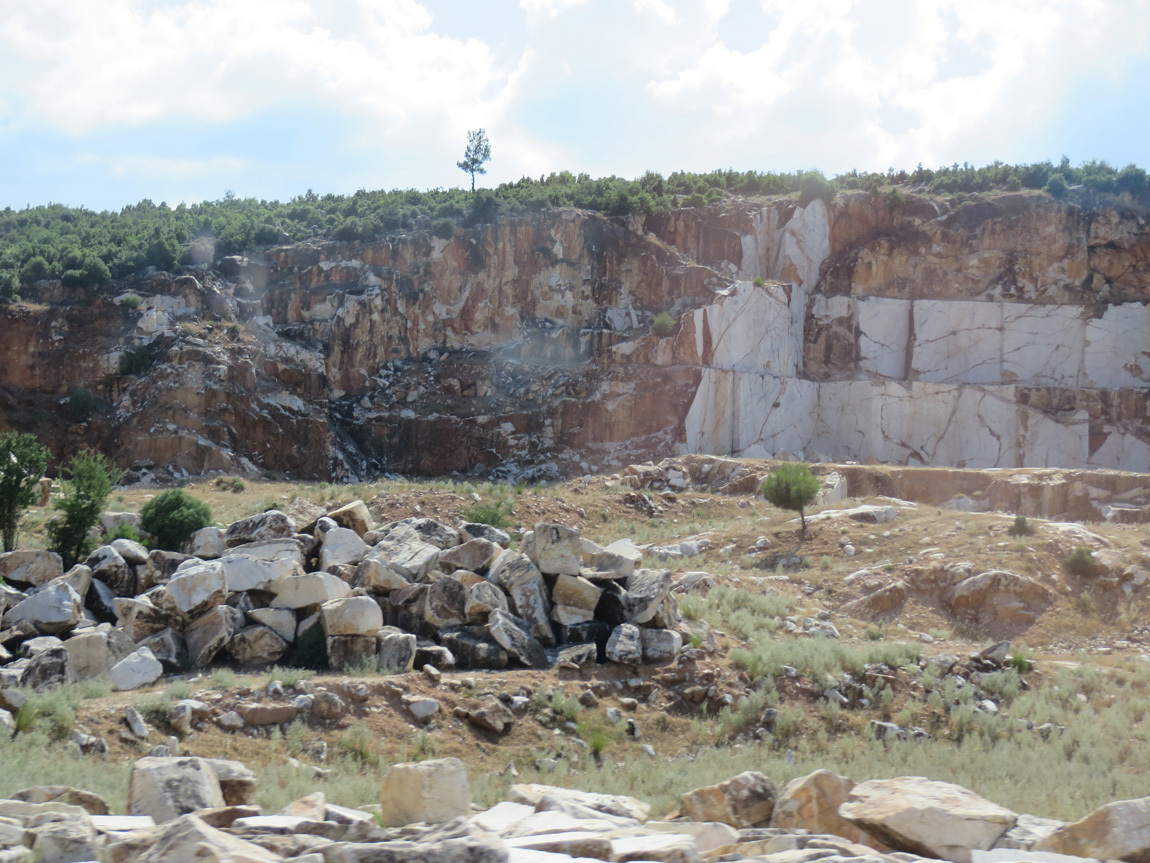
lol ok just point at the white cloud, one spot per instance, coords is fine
(81, 66)
(550, 8)
(871, 80)
(657, 7)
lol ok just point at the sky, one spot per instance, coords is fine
(105, 103)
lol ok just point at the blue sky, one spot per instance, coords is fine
(105, 103)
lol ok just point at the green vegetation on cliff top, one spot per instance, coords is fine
(83, 247)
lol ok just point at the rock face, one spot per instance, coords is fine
(925, 817)
(1003, 333)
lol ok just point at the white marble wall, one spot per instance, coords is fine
(937, 379)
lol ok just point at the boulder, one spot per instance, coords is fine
(272, 524)
(352, 615)
(257, 645)
(190, 839)
(341, 546)
(472, 647)
(30, 566)
(196, 587)
(169, 647)
(926, 817)
(998, 597)
(445, 603)
(668, 847)
(1116, 831)
(211, 632)
(492, 714)
(280, 620)
(482, 599)
(406, 552)
(529, 598)
(646, 591)
(237, 783)
(354, 516)
(396, 652)
(660, 645)
(110, 567)
(207, 543)
(378, 576)
(244, 572)
(477, 530)
(139, 668)
(516, 637)
(351, 651)
(557, 549)
(430, 791)
(65, 840)
(161, 566)
(166, 788)
(566, 615)
(812, 803)
(56, 609)
(312, 588)
(551, 798)
(132, 552)
(1028, 831)
(101, 601)
(94, 652)
(429, 530)
(474, 555)
(48, 667)
(625, 645)
(746, 800)
(575, 591)
(139, 618)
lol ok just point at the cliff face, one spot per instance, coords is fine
(1008, 332)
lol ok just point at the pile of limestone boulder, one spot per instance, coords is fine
(198, 809)
(337, 593)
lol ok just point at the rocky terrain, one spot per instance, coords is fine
(712, 678)
(999, 332)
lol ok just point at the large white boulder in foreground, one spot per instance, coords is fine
(166, 788)
(431, 791)
(928, 818)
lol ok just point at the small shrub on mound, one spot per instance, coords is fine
(1021, 526)
(663, 325)
(792, 486)
(172, 517)
(1080, 562)
(497, 513)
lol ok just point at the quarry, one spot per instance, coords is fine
(490, 574)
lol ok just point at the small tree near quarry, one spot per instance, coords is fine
(478, 151)
(88, 479)
(22, 463)
(172, 518)
(792, 486)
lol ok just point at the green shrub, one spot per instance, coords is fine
(123, 530)
(792, 486)
(1080, 562)
(1056, 186)
(1021, 526)
(814, 185)
(131, 301)
(443, 228)
(172, 517)
(88, 480)
(135, 361)
(663, 325)
(496, 513)
(22, 463)
(81, 403)
(760, 282)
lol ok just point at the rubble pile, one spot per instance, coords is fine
(340, 593)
